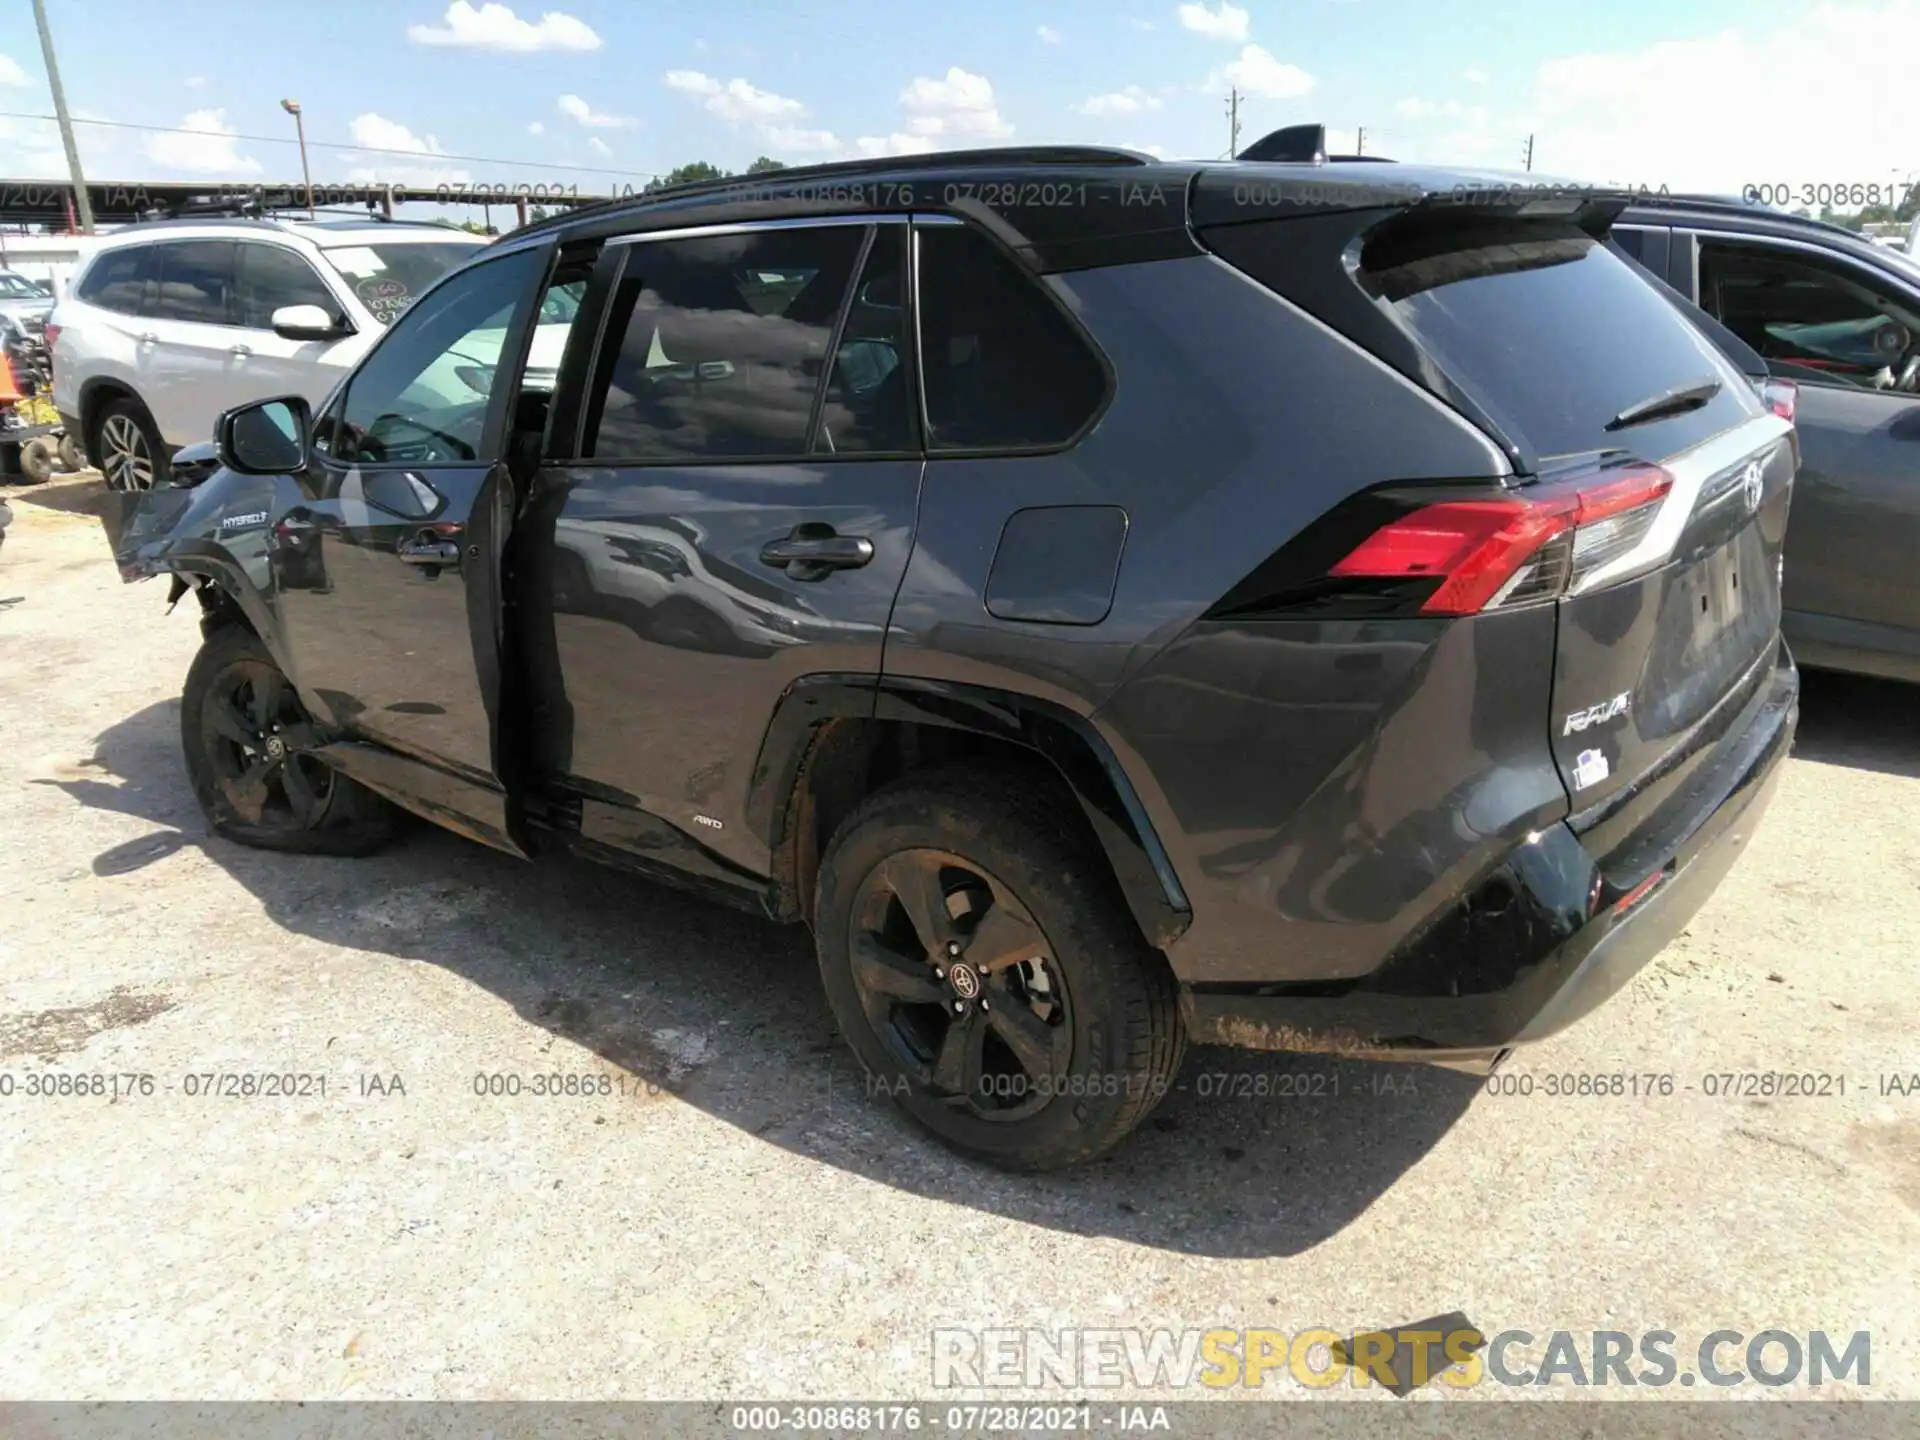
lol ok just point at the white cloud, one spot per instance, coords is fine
(1260, 75)
(11, 73)
(796, 140)
(1159, 152)
(599, 146)
(536, 128)
(1474, 76)
(735, 101)
(1137, 23)
(1418, 109)
(960, 106)
(771, 116)
(895, 144)
(577, 109)
(1049, 35)
(1229, 22)
(1130, 101)
(210, 150)
(195, 82)
(377, 132)
(496, 27)
(1593, 119)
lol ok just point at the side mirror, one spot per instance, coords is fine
(268, 437)
(307, 322)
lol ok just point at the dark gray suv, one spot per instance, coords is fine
(1836, 318)
(1113, 603)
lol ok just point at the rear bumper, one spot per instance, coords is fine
(1563, 939)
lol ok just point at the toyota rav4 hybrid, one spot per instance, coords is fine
(1113, 603)
(168, 324)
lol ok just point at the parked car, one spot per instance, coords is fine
(23, 304)
(165, 325)
(1838, 318)
(1224, 602)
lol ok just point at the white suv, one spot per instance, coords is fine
(168, 324)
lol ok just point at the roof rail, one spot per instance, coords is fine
(877, 165)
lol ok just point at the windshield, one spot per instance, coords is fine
(387, 278)
(18, 287)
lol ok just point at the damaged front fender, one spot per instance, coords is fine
(218, 528)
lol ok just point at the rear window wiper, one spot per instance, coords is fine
(1668, 403)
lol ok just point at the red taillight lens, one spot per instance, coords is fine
(1782, 397)
(1531, 545)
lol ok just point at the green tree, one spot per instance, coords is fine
(764, 164)
(684, 175)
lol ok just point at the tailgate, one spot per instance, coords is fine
(1645, 665)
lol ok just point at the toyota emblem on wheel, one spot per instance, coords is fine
(965, 980)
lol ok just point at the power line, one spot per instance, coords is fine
(415, 155)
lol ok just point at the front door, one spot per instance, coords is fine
(1851, 340)
(735, 512)
(387, 566)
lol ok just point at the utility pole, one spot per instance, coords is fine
(292, 107)
(80, 196)
(1360, 141)
(1233, 120)
(1529, 152)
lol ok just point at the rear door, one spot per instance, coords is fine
(1672, 607)
(735, 512)
(387, 564)
(193, 342)
(1842, 333)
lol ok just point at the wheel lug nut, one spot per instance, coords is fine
(938, 973)
(959, 1007)
(953, 948)
(983, 1002)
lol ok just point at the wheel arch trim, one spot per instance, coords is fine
(1069, 743)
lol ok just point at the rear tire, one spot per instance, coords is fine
(238, 714)
(128, 448)
(1069, 1031)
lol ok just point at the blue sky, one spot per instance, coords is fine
(1709, 93)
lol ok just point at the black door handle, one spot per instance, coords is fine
(813, 551)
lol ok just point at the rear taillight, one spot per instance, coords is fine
(52, 333)
(1781, 397)
(1531, 544)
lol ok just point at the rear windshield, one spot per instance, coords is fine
(1552, 334)
(388, 278)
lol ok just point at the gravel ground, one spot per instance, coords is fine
(745, 1222)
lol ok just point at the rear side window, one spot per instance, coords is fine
(117, 280)
(1815, 323)
(272, 277)
(195, 282)
(1551, 333)
(1004, 367)
(716, 345)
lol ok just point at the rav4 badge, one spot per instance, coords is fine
(1599, 714)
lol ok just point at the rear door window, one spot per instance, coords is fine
(1819, 324)
(716, 345)
(272, 277)
(1552, 333)
(118, 280)
(1005, 369)
(195, 282)
(869, 404)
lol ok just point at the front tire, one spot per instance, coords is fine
(128, 448)
(246, 738)
(980, 961)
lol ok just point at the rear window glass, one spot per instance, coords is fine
(1551, 333)
(388, 278)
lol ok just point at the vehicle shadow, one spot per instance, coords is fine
(1251, 1155)
(1859, 721)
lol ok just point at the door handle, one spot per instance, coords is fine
(148, 338)
(428, 552)
(813, 551)
(240, 350)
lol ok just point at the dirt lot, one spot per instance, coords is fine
(750, 1224)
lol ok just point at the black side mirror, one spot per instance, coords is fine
(268, 437)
